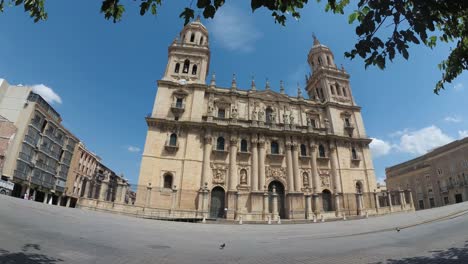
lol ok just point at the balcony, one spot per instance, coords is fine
(30, 140)
(70, 148)
(20, 175)
(25, 157)
(349, 128)
(59, 189)
(443, 189)
(177, 108)
(171, 147)
(323, 157)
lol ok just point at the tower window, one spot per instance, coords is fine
(312, 123)
(319, 61)
(303, 150)
(328, 61)
(274, 147)
(194, 69)
(201, 41)
(347, 122)
(192, 37)
(243, 145)
(322, 153)
(173, 140)
(179, 102)
(186, 66)
(220, 143)
(338, 89)
(167, 181)
(332, 89)
(344, 92)
(354, 154)
(177, 68)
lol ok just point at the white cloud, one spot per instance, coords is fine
(462, 133)
(453, 119)
(133, 149)
(47, 93)
(399, 133)
(234, 29)
(458, 87)
(379, 147)
(423, 140)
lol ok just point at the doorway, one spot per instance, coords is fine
(217, 203)
(280, 192)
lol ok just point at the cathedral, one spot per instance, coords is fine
(250, 153)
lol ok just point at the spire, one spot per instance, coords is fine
(197, 19)
(267, 86)
(316, 41)
(299, 91)
(213, 80)
(252, 85)
(233, 83)
(281, 87)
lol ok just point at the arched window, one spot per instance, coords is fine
(243, 145)
(312, 123)
(319, 61)
(354, 154)
(274, 147)
(347, 122)
(328, 61)
(221, 113)
(332, 89)
(268, 113)
(220, 143)
(186, 66)
(177, 67)
(167, 181)
(321, 93)
(192, 37)
(358, 187)
(173, 140)
(322, 153)
(201, 41)
(303, 150)
(338, 89)
(344, 92)
(194, 69)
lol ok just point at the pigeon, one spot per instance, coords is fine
(222, 246)
(398, 229)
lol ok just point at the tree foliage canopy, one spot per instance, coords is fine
(418, 22)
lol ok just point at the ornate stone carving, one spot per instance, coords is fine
(243, 177)
(285, 119)
(305, 179)
(234, 113)
(254, 114)
(276, 172)
(325, 180)
(219, 173)
(261, 115)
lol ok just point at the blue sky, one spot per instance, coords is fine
(105, 74)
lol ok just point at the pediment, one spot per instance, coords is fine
(270, 96)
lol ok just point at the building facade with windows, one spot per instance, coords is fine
(254, 153)
(39, 157)
(437, 178)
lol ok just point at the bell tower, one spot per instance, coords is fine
(327, 83)
(189, 55)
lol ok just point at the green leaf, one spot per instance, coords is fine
(353, 17)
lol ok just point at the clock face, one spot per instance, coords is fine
(182, 82)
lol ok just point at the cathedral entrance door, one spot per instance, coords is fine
(327, 200)
(280, 192)
(217, 203)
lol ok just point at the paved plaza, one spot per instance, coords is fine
(32, 232)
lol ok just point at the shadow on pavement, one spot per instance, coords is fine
(26, 257)
(447, 256)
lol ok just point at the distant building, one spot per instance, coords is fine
(90, 178)
(39, 156)
(437, 178)
(7, 134)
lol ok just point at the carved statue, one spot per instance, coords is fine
(291, 119)
(243, 177)
(234, 113)
(327, 123)
(218, 175)
(254, 114)
(285, 118)
(261, 114)
(305, 179)
(273, 117)
(324, 180)
(210, 106)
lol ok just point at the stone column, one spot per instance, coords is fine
(389, 197)
(206, 158)
(261, 162)
(359, 203)
(402, 199)
(289, 165)
(336, 178)
(103, 191)
(86, 192)
(118, 193)
(308, 206)
(124, 193)
(254, 171)
(46, 196)
(68, 201)
(274, 199)
(148, 195)
(315, 177)
(411, 199)
(376, 199)
(295, 162)
(265, 205)
(233, 164)
(59, 200)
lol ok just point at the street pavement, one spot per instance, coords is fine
(36, 233)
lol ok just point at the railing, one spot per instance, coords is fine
(69, 148)
(30, 140)
(178, 105)
(25, 157)
(46, 167)
(59, 188)
(36, 179)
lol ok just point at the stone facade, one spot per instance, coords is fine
(39, 157)
(90, 178)
(437, 178)
(7, 134)
(254, 153)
